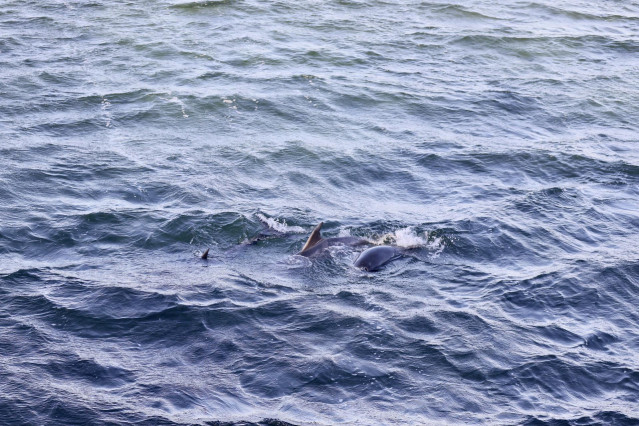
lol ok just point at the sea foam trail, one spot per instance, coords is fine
(280, 226)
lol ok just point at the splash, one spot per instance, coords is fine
(280, 226)
(408, 238)
(344, 232)
(436, 245)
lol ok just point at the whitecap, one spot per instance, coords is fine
(280, 225)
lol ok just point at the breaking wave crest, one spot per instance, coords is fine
(280, 225)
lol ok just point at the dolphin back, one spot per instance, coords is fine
(316, 244)
(375, 257)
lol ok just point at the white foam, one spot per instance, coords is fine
(280, 226)
(408, 238)
(344, 233)
(176, 100)
(106, 105)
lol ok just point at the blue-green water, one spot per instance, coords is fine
(495, 140)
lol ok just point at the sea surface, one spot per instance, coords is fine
(494, 142)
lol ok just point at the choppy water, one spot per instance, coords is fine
(498, 139)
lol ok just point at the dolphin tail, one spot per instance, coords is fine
(314, 238)
(205, 255)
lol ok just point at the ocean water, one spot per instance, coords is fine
(495, 142)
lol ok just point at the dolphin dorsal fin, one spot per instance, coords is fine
(314, 238)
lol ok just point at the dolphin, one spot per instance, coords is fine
(316, 244)
(375, 257)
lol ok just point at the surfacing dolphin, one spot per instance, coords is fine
(316, 244)
(375, 257)
(370, 259)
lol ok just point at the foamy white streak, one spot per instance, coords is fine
(279, 226)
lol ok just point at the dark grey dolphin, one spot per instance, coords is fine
(375, 257)
(315, 243)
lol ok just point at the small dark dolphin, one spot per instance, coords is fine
(315, 243)
(375, 257)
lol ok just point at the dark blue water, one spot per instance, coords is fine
(494, 142)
